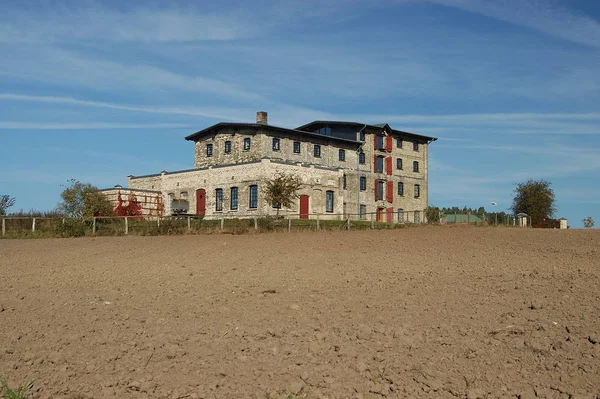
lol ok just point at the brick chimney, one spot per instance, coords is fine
(261, 117)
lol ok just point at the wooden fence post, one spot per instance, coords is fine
(372, 222)
(318, 221)
(348, 222)
(63, 221)
(255, 223)
(33, 226)
(189, 224)
(3, 226)
(289, 224)
(94, 226)
(158, 221)
(222, 222)
(126, 225)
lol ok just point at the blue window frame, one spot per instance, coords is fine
(361, 136)
(363, 183)
(253, 197)
(275, 144)
(219, 199)
(361, 157)
(342, 154)
(379, 164)
(209, 150)
(227, 147)
(400, 215)
(317, 151)
(379, 142)
(415, 146)
(398, 142)
(363, 212)
(247, 143)
(233, 205)
(398, 163)
(400, 188)
(415, 166)
(380, 188)
(417, 191)
(296, 147)
(329, 201)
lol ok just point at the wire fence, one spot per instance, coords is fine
(23, 227)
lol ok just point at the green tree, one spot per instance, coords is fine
(282, 190)
(536, 199)
(6, 201)
(432, 214)
(588, 222)
(83, 200)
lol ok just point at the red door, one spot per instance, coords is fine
(200, 202)
(390, 215)
(304, 207)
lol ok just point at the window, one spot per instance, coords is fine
(361, 157)
(233, 202)
(379, 165)
(329, 201)
(417, 191)
(219, 199)
(296, 147)
(326, 131)
(183, 195)
(247, 144)
(227, 147)
(398, 142)
(209, 149)
(317, 151)
(275, 144)
(344, 181)
(415, 166)
(380, 185)
(379, 142)
(417, 217)
(398, 163)
(362, 212)
(342, 155)
(400, 188)
(253, 197)
(363, 183)
(415, 146)
(276, 205)
(361, 136)
(400, 215)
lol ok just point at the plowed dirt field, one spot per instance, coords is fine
(426, 312)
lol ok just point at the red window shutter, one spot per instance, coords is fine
(390, 191)
(390, 215)
(376, 188)
(389, 143)
(375, 163)
(388, 165)
(375, 140)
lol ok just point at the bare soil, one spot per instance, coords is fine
(428, 312)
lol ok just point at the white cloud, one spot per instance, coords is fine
(87, 125)
(541, 15)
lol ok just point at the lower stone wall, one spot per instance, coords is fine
(151, 202)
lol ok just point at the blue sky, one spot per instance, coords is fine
(98, 90)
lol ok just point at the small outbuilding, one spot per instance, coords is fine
(522, 219)
(563, 223)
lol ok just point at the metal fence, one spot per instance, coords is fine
(16, 227)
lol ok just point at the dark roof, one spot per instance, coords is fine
(257, 126)
(379, 126)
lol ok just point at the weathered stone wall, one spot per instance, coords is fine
(151, 201)
(316, 181)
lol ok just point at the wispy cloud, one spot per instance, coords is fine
(87, 126)
(540, 15)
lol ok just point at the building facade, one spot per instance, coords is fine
(347, 169)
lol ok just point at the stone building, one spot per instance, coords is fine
(347, 169)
